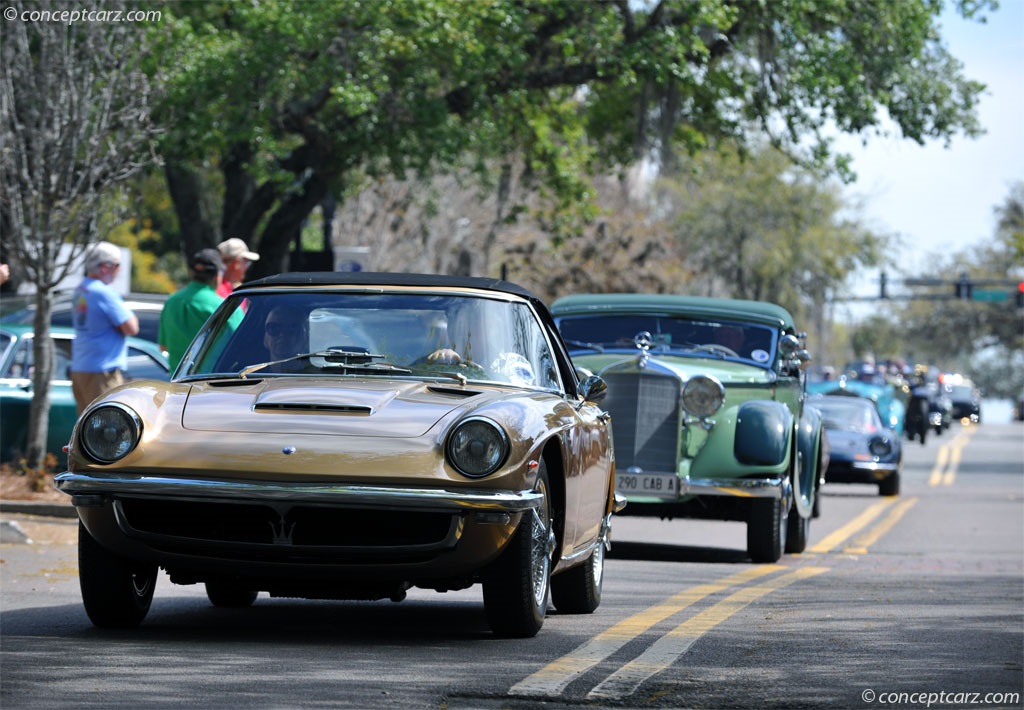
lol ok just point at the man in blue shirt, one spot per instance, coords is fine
(99, 352)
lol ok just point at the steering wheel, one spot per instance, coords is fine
(717, 349)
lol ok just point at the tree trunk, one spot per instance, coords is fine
(284, 224)
(196, 231)
(42, 374)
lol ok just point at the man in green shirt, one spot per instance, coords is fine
(186, 311)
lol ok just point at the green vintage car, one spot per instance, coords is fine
(707, 396)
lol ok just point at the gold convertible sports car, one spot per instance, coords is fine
(351, 436)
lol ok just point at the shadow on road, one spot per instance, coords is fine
(659, 552)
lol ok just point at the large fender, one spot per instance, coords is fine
(809, 442)
(762, 433)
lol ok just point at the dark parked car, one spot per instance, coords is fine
(350, 436)
(707, 397)
(863, 448)
(966, 401)
(145, 362)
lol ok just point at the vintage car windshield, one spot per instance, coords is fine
(673, 335)
(339, 333)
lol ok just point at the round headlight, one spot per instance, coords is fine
(703, 395)
(110, 432)
(477, 447)
(879, 446)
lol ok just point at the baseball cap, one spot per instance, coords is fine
(102, 253)
(206, 261)
(234, 248)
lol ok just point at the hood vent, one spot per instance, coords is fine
(453, 391)
(311, 407)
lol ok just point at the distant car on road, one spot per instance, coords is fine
(862, 448)
(966, 402)
(884, 395)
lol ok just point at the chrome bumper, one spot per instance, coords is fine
(873, 466)
(94, 490)
(776, 488)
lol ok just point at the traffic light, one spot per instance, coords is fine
(1020, 294)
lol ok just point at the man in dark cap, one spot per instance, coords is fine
(185, 312)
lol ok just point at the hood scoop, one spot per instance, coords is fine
(310, 407)
(309, 399)
(339, 407)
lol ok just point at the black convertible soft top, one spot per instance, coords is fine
(379, 278)
(372, 278)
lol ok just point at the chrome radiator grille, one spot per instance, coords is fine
(645, 420)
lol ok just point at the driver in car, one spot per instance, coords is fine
(285, 335)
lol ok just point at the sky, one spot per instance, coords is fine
(940, 200)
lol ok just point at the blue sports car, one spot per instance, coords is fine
(864, 450)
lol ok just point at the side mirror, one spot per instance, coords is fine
(593, 389)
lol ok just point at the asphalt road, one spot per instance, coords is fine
(912, 601)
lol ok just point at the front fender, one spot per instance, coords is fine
(809, 442)
(762, 433)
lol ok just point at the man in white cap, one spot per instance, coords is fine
(99, 352)
(237, 257)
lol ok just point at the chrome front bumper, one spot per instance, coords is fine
(776, 488)
(91, 490)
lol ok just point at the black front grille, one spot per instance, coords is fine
(645, 419)
(286, 528)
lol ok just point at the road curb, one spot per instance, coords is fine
(50, 510)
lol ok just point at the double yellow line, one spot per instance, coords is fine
(947, 462)
(855, 537)
(844, 536)
(551, 680)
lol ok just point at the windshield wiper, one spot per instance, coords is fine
(333, 357)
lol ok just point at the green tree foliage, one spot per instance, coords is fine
(293, 101)
(765, 229)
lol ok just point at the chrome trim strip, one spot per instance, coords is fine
(873, 466)
(737, 487)
(351, 495)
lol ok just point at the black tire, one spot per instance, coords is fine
(116, 592)
(890, 485)
(578, 590)
(229, 596)
(517, 587)
(797, 532)
(766, 530)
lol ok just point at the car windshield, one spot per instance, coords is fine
(344, 333)
(843, 414)
(676, 335)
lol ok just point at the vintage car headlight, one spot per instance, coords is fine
(477, 447)
(703, 395)
(879, 446)
(110, 432)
